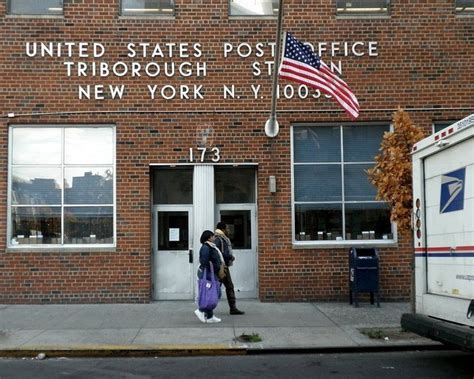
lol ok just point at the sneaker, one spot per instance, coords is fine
(200, 315)
(235, 311)
(213, 319)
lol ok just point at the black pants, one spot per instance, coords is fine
(229, 288)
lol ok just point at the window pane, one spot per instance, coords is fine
(253, 7)
(88, 185)
(356, 183)
(318, 183)
(173, 220)
(36, 146)
(362, 6)
(147, 7)
(317, 144)
(240, 228)
(88, 145)
(362, 143)
(368, 221)
(36, 186)
(318, 222)
(38, 172)
(88, 225)
(235, 185)
(173, 186)
(36, 226)
(438, 126)
(465, 6)
(36, 7)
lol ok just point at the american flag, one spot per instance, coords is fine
(301, 65)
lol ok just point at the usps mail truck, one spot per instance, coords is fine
(443, 223)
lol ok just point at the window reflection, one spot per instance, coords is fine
(35, 7)
(39, 176)
(88, 186)
(317, 144)
(363, 142)
(36, 186)
(36, 146)
(318, 182)
(253, 7)
(362, 6)
(357, 185)
(88, 146)
(465, 6)
(147, 7)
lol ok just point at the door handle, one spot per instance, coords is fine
(190, 255)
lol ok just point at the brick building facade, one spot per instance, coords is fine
(104, 191)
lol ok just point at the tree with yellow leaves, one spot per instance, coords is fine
(392, 173)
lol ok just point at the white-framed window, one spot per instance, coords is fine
(147, 7)
(253, 7)
(35, 7)
(61, 186)
(362, 7)
(333, 200)
(465, 7)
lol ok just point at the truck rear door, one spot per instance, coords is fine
(449, 209)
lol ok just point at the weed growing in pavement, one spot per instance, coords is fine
(254, 337)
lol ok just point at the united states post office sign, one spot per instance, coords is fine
(184, 60)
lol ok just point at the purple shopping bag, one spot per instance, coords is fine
(208, 291)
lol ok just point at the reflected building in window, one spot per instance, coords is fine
(90, 189)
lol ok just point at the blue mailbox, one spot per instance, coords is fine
(363, 274)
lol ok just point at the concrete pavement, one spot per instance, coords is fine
(171, 327)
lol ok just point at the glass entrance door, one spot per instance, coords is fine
(173, 253)
(241, 221)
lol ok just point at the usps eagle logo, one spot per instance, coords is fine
(452, 191)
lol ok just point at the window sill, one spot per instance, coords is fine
(148, 17)
(68, 249)
(362, 16)
(343, 244)
(253, 17)
(38, 16)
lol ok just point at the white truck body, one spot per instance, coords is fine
(443, 197)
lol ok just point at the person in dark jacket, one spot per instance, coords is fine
(224, 245)
(208, 254)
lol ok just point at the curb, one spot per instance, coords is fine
(111, 351)
(103, 351)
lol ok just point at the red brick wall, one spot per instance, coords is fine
(424, 64)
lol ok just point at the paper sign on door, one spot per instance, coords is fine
(174, 234)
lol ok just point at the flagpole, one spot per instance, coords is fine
(271, 126)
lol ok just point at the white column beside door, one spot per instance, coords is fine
(203, 200)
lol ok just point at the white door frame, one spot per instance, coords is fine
(175, 279)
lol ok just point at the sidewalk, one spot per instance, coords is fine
(171, 327)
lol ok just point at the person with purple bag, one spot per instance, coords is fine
(209, 254)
